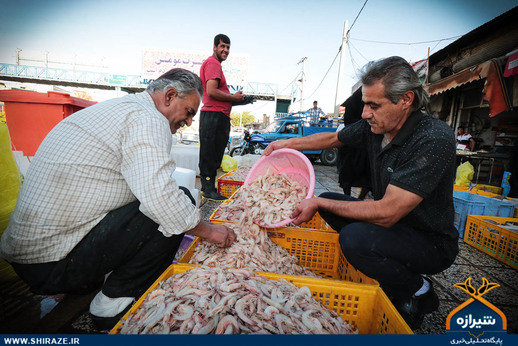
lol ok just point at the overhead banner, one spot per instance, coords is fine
(157, 62)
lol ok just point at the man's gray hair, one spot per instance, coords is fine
(398, 77)
(185, 82)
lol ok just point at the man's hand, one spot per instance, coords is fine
(305, 211)
(219, 235)
(278, 144)
(317, 141)
(247, 99)
(238, 97)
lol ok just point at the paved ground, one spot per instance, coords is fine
(24, 312)
(469, 263)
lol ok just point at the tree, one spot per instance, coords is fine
(236, 120)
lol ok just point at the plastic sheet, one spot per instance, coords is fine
(9, 187)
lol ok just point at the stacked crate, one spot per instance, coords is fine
(357, 298)
(232, 181)
(495, 236)
(468, 203)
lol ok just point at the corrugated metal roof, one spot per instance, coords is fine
(493, 88)
(476, 34)
(454, 81)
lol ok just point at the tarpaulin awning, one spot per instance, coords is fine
(493, 86)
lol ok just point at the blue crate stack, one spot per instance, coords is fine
(467, 203)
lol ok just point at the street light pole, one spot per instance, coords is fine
(339, 81)
(303, 61)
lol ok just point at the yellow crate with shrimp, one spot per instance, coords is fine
(365, 307)
(315, 249)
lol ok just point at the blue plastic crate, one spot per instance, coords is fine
(466, 203)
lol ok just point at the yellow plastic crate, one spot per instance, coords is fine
(474, 190)
(489, 188)
(365, 307)
(317, 250)
(227, 187)
(487, 234)
(317, 222)
(480, 187)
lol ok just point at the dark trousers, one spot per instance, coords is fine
(214, 131)
(125, 242)
(395, 256)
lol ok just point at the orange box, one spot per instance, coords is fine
(31, 115)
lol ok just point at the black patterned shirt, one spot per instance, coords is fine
(419, 159)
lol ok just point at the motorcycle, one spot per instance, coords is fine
(251, 144)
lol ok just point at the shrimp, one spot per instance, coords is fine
(227, 325)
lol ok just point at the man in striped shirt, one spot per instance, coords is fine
(317, 113)
(99, 199)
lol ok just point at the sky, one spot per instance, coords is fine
(276, 35)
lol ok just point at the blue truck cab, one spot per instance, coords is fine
(300, 125)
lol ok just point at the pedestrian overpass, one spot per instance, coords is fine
(127, 83)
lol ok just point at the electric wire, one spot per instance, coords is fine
(407, 43)
(329, 69)
(353, 62)
(293, 81)
(354, 21)
(352, 46)
(339, 50)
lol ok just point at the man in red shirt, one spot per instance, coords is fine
(215, 116)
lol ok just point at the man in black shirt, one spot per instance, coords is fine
(407, 231)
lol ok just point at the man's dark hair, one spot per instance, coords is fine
(221, 37)
(398, 77)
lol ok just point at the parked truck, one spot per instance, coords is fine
(292, 125)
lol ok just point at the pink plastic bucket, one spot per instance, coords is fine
(292, 162)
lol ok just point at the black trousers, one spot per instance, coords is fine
(214, 132)
(125, 242)
(396, 256)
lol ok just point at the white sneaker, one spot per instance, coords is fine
(103, 306)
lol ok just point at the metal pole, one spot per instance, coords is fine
(427, 65)
(18, 50)
(338, 83)
(303, 61)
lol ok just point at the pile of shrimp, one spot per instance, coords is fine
(239, 174)
(215, 301)
(253, 249)
(268, 200)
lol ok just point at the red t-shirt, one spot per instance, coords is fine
(211, 69)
